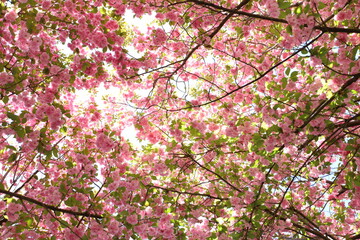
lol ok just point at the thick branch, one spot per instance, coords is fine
(272, 19)
(357, 236)
(350, 124)
(44, 205)
(336, 29)
(325, 103)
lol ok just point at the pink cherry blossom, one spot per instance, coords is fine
(11, 16)
(132, 219)
(231, 120)
(159, 37)
(104, 143)
(5, 78)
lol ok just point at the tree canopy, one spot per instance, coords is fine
(220, 120)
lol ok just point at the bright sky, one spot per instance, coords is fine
(84, 95)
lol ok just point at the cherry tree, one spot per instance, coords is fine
(244, 115)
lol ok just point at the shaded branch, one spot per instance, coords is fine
(211, 171)
(324, 29)
(337, 30)
(357, 236)
(325, 103)
(251, 82)
(44, 205)
(350, 124)
(187, 193)
(312, 231)
(217, 29)
(27, 181)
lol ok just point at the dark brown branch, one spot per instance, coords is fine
(325, 103)
(317, 152)
(357, 236)
(213, 7)
(65, 225)
(313, 231)
(304, 217)
(350, 124)
(337, 30)
(231, 13)
(251, 82)
(257, 198)
(44, 205)
(218, 28)
(211, 171)
(27, 181)
(187, 193)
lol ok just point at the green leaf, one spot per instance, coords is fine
(288, 29)
(256, 100)
(349, 178)
(284, 82)
(71, 201)
(222, 228)
(137, 198)
(13, 117)
(62, 188)
(20, 131)
(5, 99)
(55, 152)
(85, 66)
(63, 130)
(11, 147)
(102, 10)
(357, 181)
(307, 8)
(30, 26)
(287, 71)
(274, 128)
(12, 157)
(321, 5)
(304, 51)
(46, 71)
(69, 164)
(251, 235)
(298, 10)
(349, 148)
(194, 132)
(283, 4)
(294, 75)
(29, 222)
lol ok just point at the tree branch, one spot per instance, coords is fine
(322, 105)
(188, 193)
(337, 30)
(213, 6)
(251, 82)
(211, 171)
(44, 205)
(312, 231)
